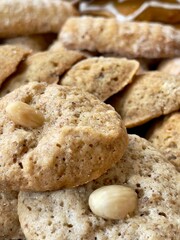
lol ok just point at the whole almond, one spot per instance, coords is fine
(113, 202)
(25, 115)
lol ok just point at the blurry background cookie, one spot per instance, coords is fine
(10, 57)
(19, 17)
(128, 39)
(55, 136)
(9, 221)
(101, 76)
(165, 135)
(65, 214)
(150, 95)
(170, 66)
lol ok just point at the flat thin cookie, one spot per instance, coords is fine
(19, 17)
(128, 39)
(79, 139)
(149, 96)
(65, 214)
(101, 76)
(10, 57)
(45, 66)
(165, 135)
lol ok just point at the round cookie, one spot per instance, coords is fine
(65, 214)
(164, 134)
(101, 76)
(80, 139)
(9, 221)
(170, 66)
(149, 96)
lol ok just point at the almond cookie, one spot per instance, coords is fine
(128, 39)
(65, 214)
(9, 221)
(19, 17)
(149, 96)
(165, 135)
(10, 57)
(101, 76)
(45, 66)
(170, 66)
(56, 136)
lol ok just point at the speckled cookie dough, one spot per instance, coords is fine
(79, 139)
(65, 214)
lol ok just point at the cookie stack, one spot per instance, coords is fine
(70, 85)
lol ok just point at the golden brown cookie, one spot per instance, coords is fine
(9, 221)
(78, 138)
(170, 66)
(101, 76)
(19, 17)
(10, 57)
(149, 96)
(65, 214)
(164, 134)
(45, 66)
(128, 39)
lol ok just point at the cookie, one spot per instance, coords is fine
(128, 39)
(79, 138)
(19, 17)
(65, 214)
(35, 43)
(101, 76)
(149, 96)
(164, 134)
(170, 66)
(10, 57)
(9, 221)
(45, 66)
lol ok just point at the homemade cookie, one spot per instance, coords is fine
(101, 76)
(65, 214)
(9, 222)
(170, 66)
(19, 17)
(10, 57)
(72, 137)
(45, 66)
(128, 39)
(150, 95)
(165, 135)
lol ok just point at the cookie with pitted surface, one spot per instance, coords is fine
(56, 136)
(45, 66)
(101, 76)
(170, 66)
(149, 96)
(10, 57)
(19, 17)
(164, 134)
(65, 214)
(128, 39)
(9, 221)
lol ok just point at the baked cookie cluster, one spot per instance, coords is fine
(89, 124)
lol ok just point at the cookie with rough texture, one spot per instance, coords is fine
(170, 66)
(45, 66)
(9, 221)
(36, 43)
(19, 17)
(65, 214)
(101, 76)
(128, 39)
(149, 96)
(10, 57)
(165, 135)
(79, 140)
